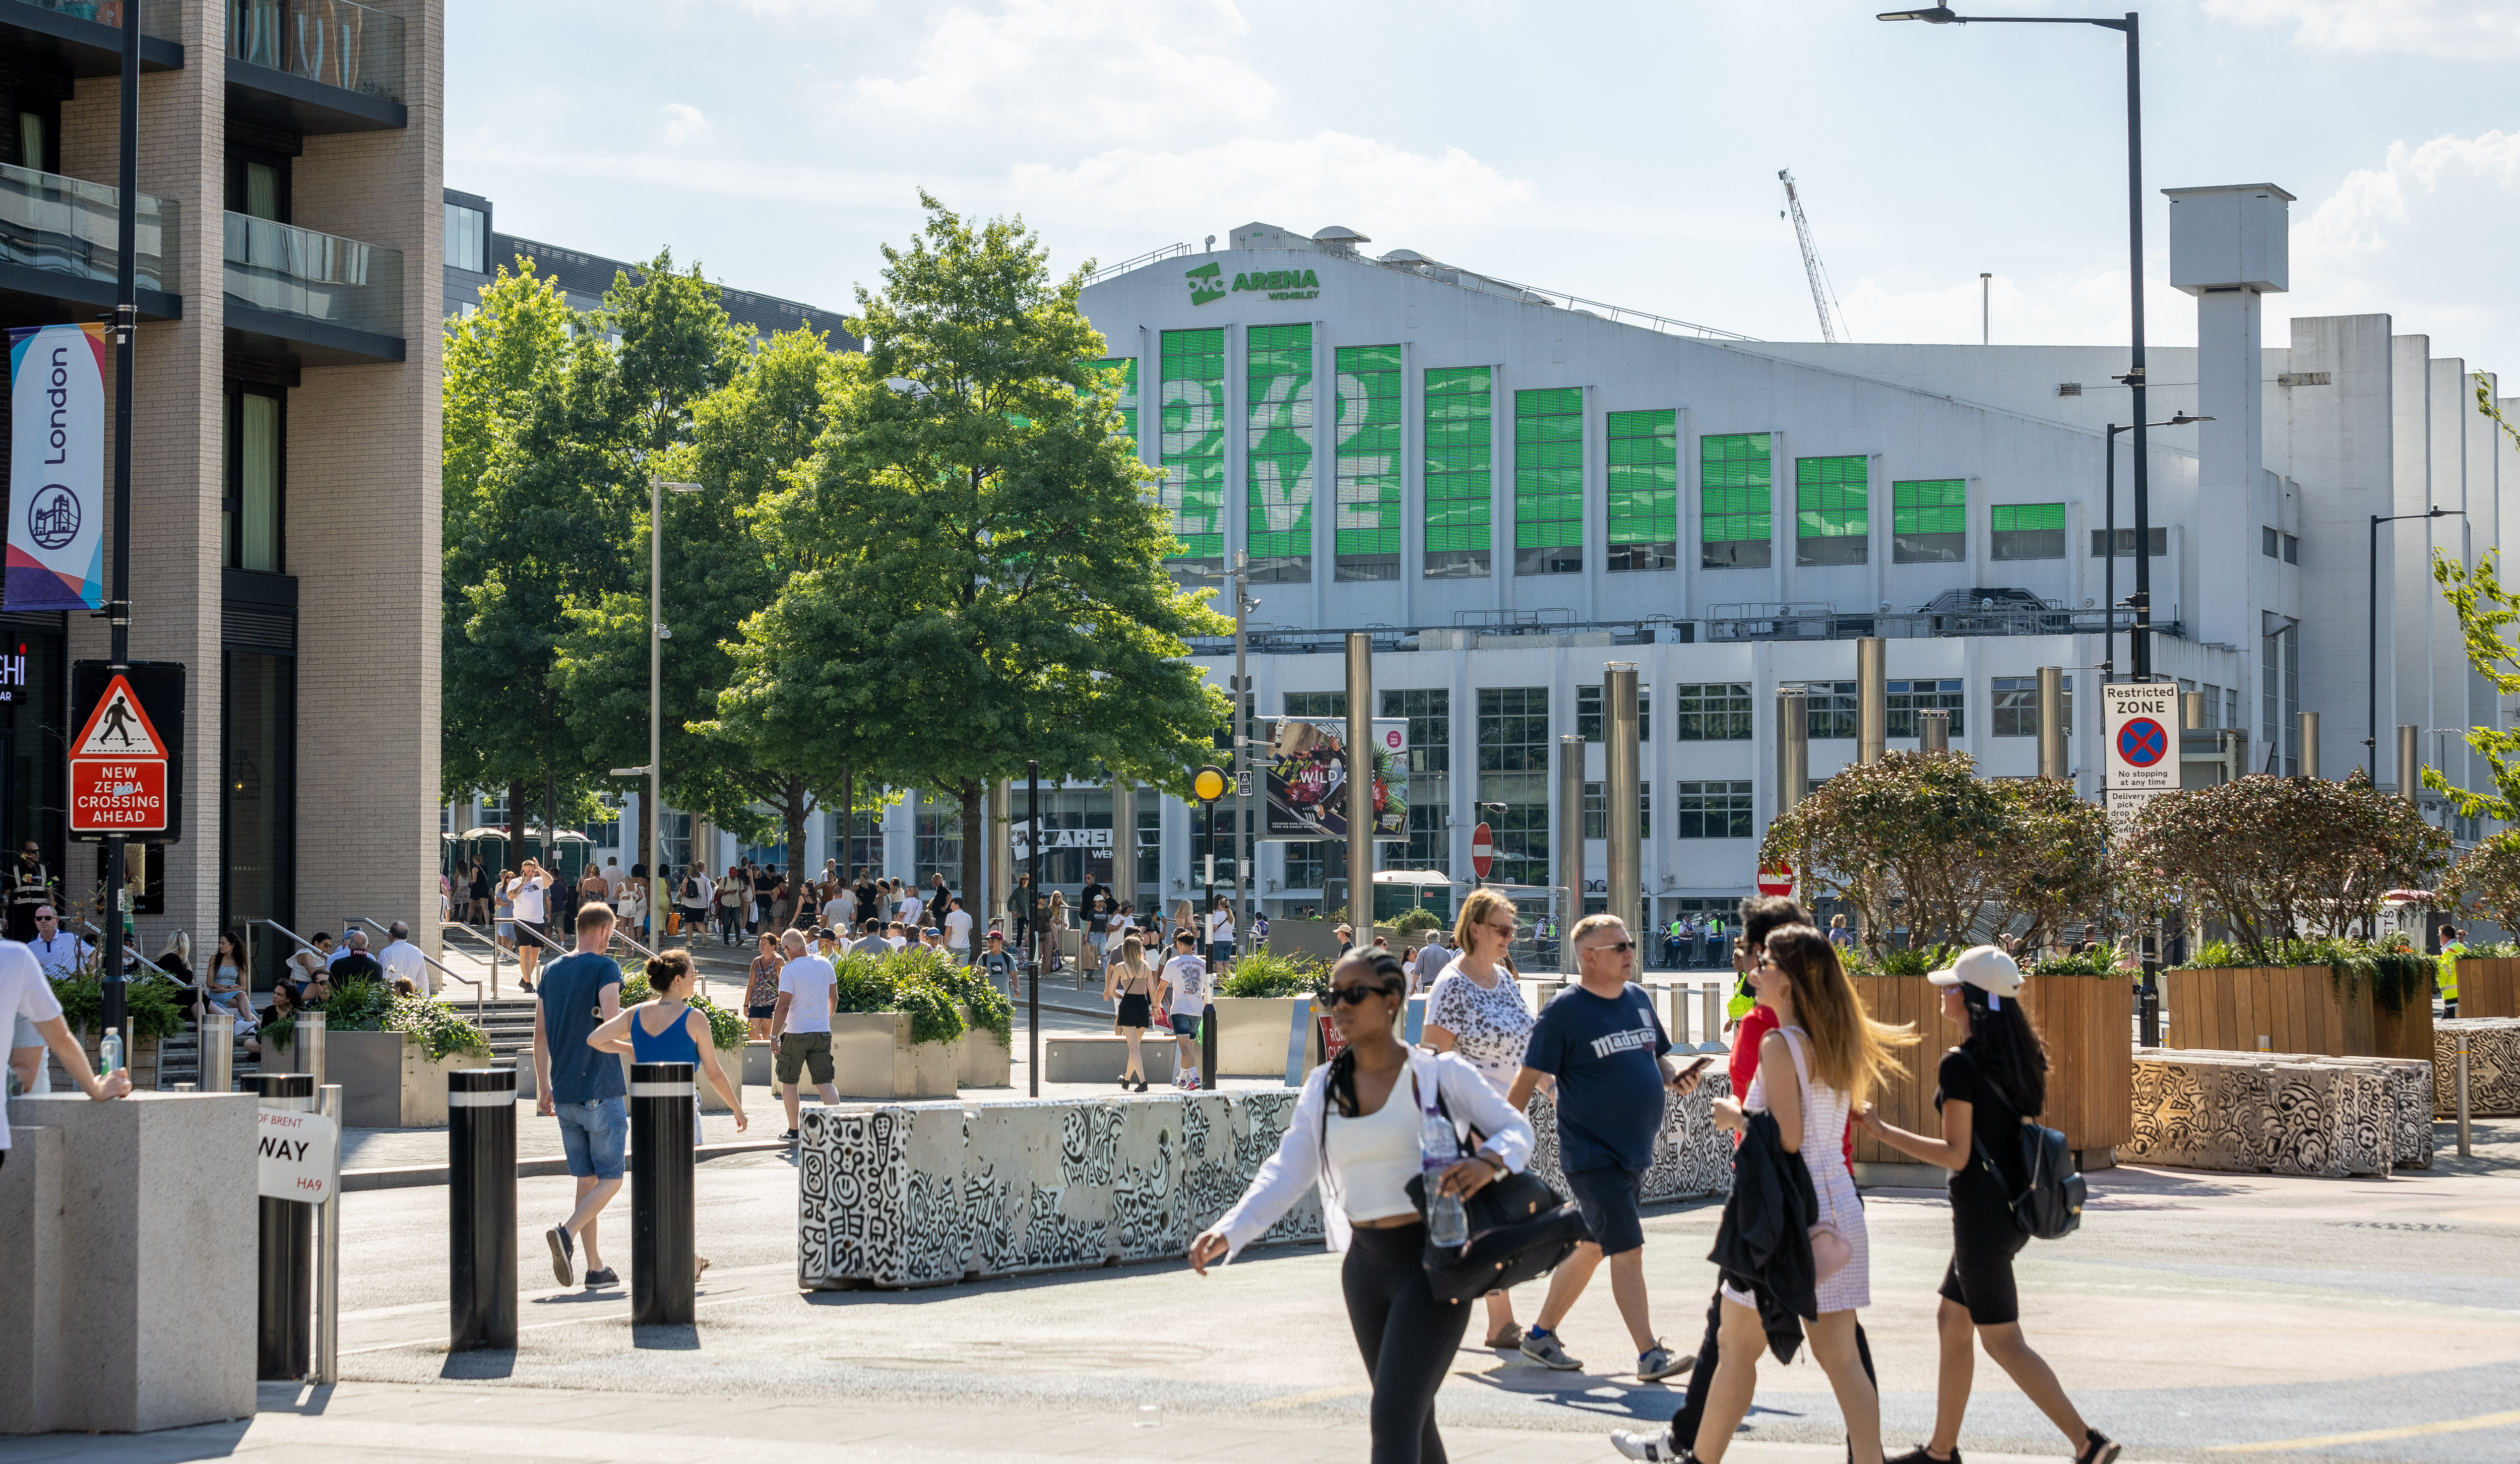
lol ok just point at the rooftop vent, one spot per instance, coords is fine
(1340, 239)
(1406, 256)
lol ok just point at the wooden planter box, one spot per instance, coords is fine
(2489, 987)
(1251, 1034)
(874, 1057)
(980, 1060)
(2085, 1022)
(2296, 1009)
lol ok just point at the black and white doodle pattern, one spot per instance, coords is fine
(1692, 1157)
(2238, 1114)
(2492, 1067)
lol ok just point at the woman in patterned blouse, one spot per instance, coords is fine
(1476, 1010)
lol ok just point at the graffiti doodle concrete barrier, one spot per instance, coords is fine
(2278, 1113)
(2492, 1067)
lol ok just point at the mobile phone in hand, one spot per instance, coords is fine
(1692, 1070)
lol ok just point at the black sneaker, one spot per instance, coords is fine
(1919, 1455)
(787, 1137)
(595, 1279)
(563, 1252)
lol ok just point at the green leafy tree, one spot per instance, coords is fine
(2487, 879)
(2487, 613)
(981, 575)
(1917, 836)
(2053, 867)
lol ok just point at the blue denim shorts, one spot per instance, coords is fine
(595, 1135)
(1184, 1023)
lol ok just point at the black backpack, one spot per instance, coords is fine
(2049, 1207)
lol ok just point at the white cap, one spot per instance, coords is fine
(1989, 968)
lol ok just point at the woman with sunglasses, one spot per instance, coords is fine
(1355, 1134)
(1475, 1009)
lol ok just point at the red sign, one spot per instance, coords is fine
(118, 768)
(1777, 881)
(1482, 850)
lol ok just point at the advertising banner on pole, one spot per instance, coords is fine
(1306, 783)
(56, 469)
(2140, 721)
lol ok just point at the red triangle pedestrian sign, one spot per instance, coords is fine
(119, 728)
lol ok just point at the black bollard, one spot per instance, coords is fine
(284, 1300)
(662, 1250)
(1207, 1046)
(481, 1207)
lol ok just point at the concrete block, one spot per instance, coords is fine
(1040, 1180)
(2492, 1067)
(30, 1285)
(1101, 1059)
(2249, 1113)
(1252, 1033)
(880, 1198)
(158, 1221)
(981, 1059)
(759, 1060)
(874, 1057)
(1692, 1157)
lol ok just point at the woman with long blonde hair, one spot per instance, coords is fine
(1131, 982)
(1474, 1008)
(1826, 1059)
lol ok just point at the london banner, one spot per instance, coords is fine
(56, 469)
(1308, 772)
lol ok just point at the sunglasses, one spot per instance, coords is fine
(1351, 995)
(1622, 946)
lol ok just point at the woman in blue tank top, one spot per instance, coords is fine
(667, 1028)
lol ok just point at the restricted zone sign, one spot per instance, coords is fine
(118, 768)
(1482, 850)
(2140, 722)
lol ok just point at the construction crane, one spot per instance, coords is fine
(1823, 299)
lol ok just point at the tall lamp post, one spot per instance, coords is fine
(658, 635)
(2109, 565)
(115, 997)
(1941, 15)
(2372, 658)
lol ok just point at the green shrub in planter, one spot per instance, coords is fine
(726, 1028)
(1416, 918)
(436, 1026)
(2096, 963)
(1916, 961)
(1262, 974)
(2396, 973)
(153, 1004)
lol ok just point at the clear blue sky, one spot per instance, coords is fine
(1625, 152)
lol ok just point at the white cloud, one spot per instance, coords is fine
(2354, 220)
(1303, 182)
(1092, 67)
(2455, 29)
(685, 123)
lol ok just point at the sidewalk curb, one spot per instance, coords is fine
(418, 1176)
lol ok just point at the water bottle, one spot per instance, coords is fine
(1439, 1149)
(108, 1053)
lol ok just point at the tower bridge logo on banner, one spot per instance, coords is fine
(53, 518)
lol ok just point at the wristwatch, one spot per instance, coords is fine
(1496, 1164)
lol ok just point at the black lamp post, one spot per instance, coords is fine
(2109, 538)
(2371, 663)
(1941, 15)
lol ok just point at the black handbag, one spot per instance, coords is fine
(1519, 1228)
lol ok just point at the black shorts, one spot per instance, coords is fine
(1134, 1011)
(1984, 1240)
(761, 1013)
(1609, 1196)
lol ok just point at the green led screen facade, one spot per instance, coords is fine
(1832, 521)
(1460, 462)
(1277, 477)
(1548, 481)
(1192, 445)
(1733, 478)
(2027, 531)
(1929, 522)
(1368, 462)
(1645, 490)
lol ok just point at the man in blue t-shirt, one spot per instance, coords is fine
(582, 1088)
(1604, 1043)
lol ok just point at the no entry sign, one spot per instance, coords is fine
(118, 768)
(1779, 880)
(1482, 851)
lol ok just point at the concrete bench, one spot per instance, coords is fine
(2493, 1066)
(2276, 1112)
(1099, 1059)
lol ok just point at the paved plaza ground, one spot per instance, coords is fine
(2195, 1316)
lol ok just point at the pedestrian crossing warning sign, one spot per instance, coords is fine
(118, 768)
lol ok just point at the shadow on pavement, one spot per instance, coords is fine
(682, 1337)
(483, 1364)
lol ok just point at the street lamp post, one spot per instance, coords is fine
(1941, 15)
(2371, 659)
(658, 635)
(2109, 538)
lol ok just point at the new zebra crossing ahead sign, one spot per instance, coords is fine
(126, 763)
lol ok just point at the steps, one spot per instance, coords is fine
(508, 1023)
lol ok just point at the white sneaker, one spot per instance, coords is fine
(1654, 1445)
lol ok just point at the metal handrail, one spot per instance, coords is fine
(90, 927)
(387, 931)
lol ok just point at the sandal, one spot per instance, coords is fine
(700, 1269)
(2098, 1448)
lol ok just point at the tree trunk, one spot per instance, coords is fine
(848, 823)
(792, 808)
(516, 825)
(975, 825)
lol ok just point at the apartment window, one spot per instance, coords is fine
(2231, 708)
(1588, 713)
(35, 142)
(1645, 490)
(2029, 531)
(2267, 543)
(1367, 458)
(1832, 525)
(2291, 548)
(2016, 706)
(1733, 482)
(1597, 805)
(1430, 727)
(1460, 452)
(1713, 811)
(1548, 481)
(251, 518)
(1150, 865)
(865, 841)
(1829, 710)
(1192, 446)
(467, 239)
(1514, 771)
(1907, 698)
(2292, 703)
(1929, 522)
(1430, 783)
(1715, 712)
(257, 184)
(1277, 481)
(1316, 706)
(2156, 542)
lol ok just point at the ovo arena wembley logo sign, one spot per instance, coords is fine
(1207, 282)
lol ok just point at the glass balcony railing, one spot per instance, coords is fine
(292, 271)
(338, 42)
(162, 19)
(68, 226)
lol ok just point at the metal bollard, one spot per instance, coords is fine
(328, 1261)
(481, 1207)
(2148, 1010)
(284, 1310)
(218, 1054)
(663, 1249)
(2462, 1095)
(1710, 1014)
(310, 1047)
(1207, 1046)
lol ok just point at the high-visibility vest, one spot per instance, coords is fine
(2446, 971)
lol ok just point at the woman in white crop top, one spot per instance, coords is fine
(1355, 1134)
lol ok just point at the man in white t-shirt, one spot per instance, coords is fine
(528, 891)
(957, 931)
(1185, 978)
(25, 994)
(840, 911)
(402, 959)
(809, 991)
(906, 912)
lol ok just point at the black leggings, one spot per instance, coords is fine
(1406, 1336)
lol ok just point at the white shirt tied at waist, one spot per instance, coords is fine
(1298, 1165)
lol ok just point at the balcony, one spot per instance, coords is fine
(316, 65)
(85, 37)
(309, 298)
(57, 241)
